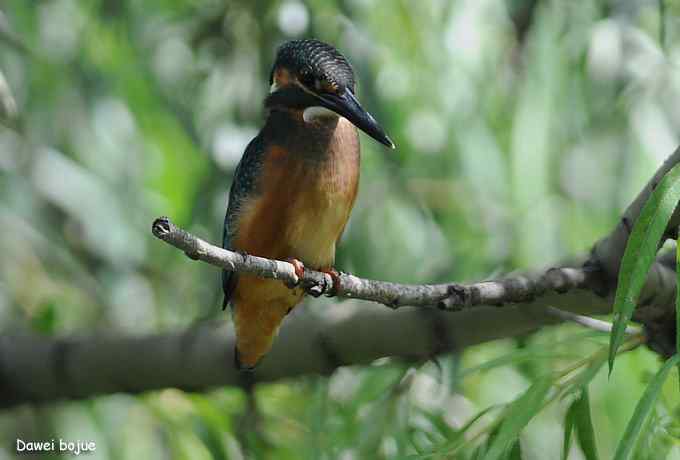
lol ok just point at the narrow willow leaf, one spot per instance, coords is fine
(677, 302)
(534, 352)
(516, 357)
(644, 407)
(480, 452)
(457, 439)
(584, 425)
(648, 444)
(589, 373)
(516, 451)
(568, 429)
(640, 253)
(518, 415)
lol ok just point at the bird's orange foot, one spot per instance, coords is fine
(299, 270)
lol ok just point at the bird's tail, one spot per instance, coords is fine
(256, 326)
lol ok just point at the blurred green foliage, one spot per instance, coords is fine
(523, 128)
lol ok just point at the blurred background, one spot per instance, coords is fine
(523, 128)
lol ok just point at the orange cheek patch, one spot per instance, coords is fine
(282, 77)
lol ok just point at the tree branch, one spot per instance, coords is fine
(450, 297)
(608, 252)
(38, 369)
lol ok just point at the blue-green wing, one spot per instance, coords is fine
(243, 187)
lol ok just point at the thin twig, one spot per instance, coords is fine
(587, 321)
(449, 296)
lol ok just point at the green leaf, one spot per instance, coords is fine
(588, 374)
(578, 416)
(516, 451)
(518, 415)
(643, 409)
(530, 354)
(640, 253)
(457, 439)
(515, 357)
(568, 429)
(677, 303)
(45, 320)
(480, 452)
(650, 440)
(584, 425)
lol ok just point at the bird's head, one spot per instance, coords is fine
(314, 77)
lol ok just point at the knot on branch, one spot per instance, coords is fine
(660, 329)
(596, 277)
(165, 230)
(519, 289)
(317, 284)
(162, 227)
(558, 280)
(657, 312)
(459, 297)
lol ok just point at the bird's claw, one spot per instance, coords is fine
(314, 288)
(317, 289)
(335, 277)
(299, 271)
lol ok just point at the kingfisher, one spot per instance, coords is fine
(294, 187)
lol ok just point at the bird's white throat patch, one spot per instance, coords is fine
(314, 113)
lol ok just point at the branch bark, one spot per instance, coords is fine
(38, 369)
(450, 296)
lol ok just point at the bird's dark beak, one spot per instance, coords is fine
(346, 105)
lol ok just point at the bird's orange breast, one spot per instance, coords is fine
(304, 201)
